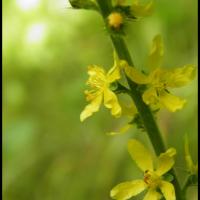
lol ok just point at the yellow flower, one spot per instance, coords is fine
(152, 180)
(160, 80)
(115, 19)
(192, 168)
(142, 10)
(100, 81)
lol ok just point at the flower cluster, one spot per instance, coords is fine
(156, 94)
(157, 83)
(154, 84)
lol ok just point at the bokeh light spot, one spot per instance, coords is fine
(59, 6)
(36, 33)
(27, 4)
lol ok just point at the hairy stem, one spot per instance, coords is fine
(144, 111)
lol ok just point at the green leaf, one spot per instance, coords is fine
(84, 4)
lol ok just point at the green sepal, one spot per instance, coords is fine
(118, 88)
(126, 10)
(116, 31)
(138, 121)
(114, 86)
(168, 177)
(141, 88)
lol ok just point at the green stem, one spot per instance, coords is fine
(186, 185)
(144, 111)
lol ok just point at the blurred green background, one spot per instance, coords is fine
(48, 153)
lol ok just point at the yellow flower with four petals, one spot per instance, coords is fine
(152, 180)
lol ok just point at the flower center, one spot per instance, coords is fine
(151, 179)
(97, 79)
(97, 82)
(159, 80)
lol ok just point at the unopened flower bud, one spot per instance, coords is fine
(115, 19)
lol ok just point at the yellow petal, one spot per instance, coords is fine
(111, 102)
(116, 59)
(156, 53)
(165, 161)
(135, 75)
(128, 110)
(150, 96)
(121, 130)
(167, 190)
(152, 195)
(91, 108)
(140, 155)
(94, 70)
(127, 189)
(181, 76)
(171, 102)
(139, 10)
(113, 74)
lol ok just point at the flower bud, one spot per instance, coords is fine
(115, 20)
